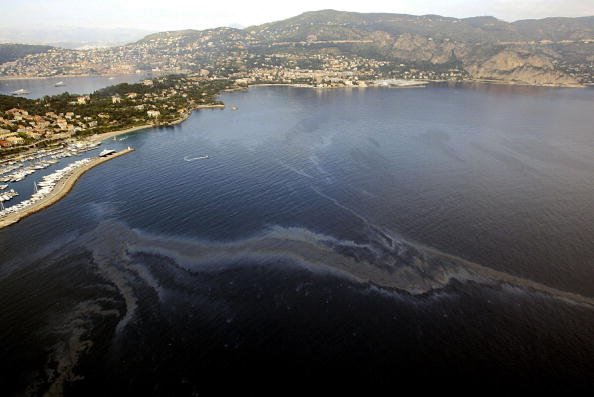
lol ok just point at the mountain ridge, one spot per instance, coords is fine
(549, 51)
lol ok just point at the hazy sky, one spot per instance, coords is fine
(158, 15)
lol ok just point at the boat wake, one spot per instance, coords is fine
(190, 159)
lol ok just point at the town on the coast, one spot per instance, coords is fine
(322, 49)
(330, 47)
(38, 123)
(37, 133)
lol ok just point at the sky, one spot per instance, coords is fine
(161, 15)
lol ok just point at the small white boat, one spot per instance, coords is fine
(196, 158)
(106, 152)
(22, 91)
(59, 84)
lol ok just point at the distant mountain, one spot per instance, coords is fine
(545, 51)
(336, 25)
(11, 52)
(70, 37)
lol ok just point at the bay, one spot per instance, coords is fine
(384, 235)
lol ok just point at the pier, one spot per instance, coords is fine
(60, 190)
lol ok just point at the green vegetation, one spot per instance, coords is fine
(341, 25)
(365, 45)
(161, 101)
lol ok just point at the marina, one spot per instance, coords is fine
(17, 169)
(314, 206)
(338, 196)
(51, 189)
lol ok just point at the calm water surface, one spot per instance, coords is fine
(73, 85)
(356, 237)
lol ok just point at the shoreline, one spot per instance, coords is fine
(424, 83)
(60, 191)
(298, 85)
(420, 82)
(107, 135)
(65, 76)
(65, 186)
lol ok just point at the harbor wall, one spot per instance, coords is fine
(60, 191)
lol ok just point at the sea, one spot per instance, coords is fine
(337, 240)
(73, 84)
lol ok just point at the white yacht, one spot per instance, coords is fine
(22, 91)
(106, 152)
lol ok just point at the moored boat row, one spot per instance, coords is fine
(52, 188)
(45, 187)
(8, 195)
(18, 169)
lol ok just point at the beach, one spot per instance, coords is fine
(108, 135)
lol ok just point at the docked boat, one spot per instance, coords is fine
(22, 91)
(106, 152)
(40, 190)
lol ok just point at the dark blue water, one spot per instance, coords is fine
(360, 238)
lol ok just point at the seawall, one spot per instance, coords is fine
(62, 188)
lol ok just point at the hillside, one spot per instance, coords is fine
(551, 51)
(340, 24)
(544, 52)
(11, 52)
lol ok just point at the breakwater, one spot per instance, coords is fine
(60, 190)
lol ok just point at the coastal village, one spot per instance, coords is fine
(191, 69)
(280, 67)
(28, 123)
(18, 127)
(37, 133)
(162, 100)
(265, 55)
(385, 202)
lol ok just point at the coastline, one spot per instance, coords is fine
(64, 187)
(61, 76)
(424, 83)
(420, 82)
(521, 84)
(60, 191)
(107, 135)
